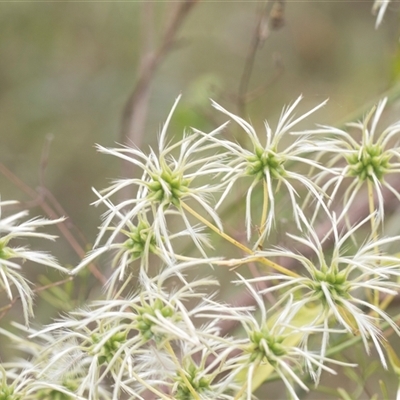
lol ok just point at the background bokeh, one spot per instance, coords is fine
(68, 68)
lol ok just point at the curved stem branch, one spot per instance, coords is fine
(241, 246)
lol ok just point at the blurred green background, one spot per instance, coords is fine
(68, 68)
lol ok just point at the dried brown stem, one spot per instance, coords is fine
(135, 111)
(268, 16)
(4, 310)
(50, 213)
(260, 34)
(259, 91)
(129, 130)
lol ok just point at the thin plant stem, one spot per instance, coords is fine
(386, 302)
(374, 232)
(256, 40)
(150, 387)
(181, 373)
(241, 391)
(4, 310)
(68, 236)
(265, 207)
(262, 260)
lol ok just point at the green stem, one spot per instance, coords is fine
(180, 371)
(151, 388)
(374, 229)
(265, 208)
(218, 231)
